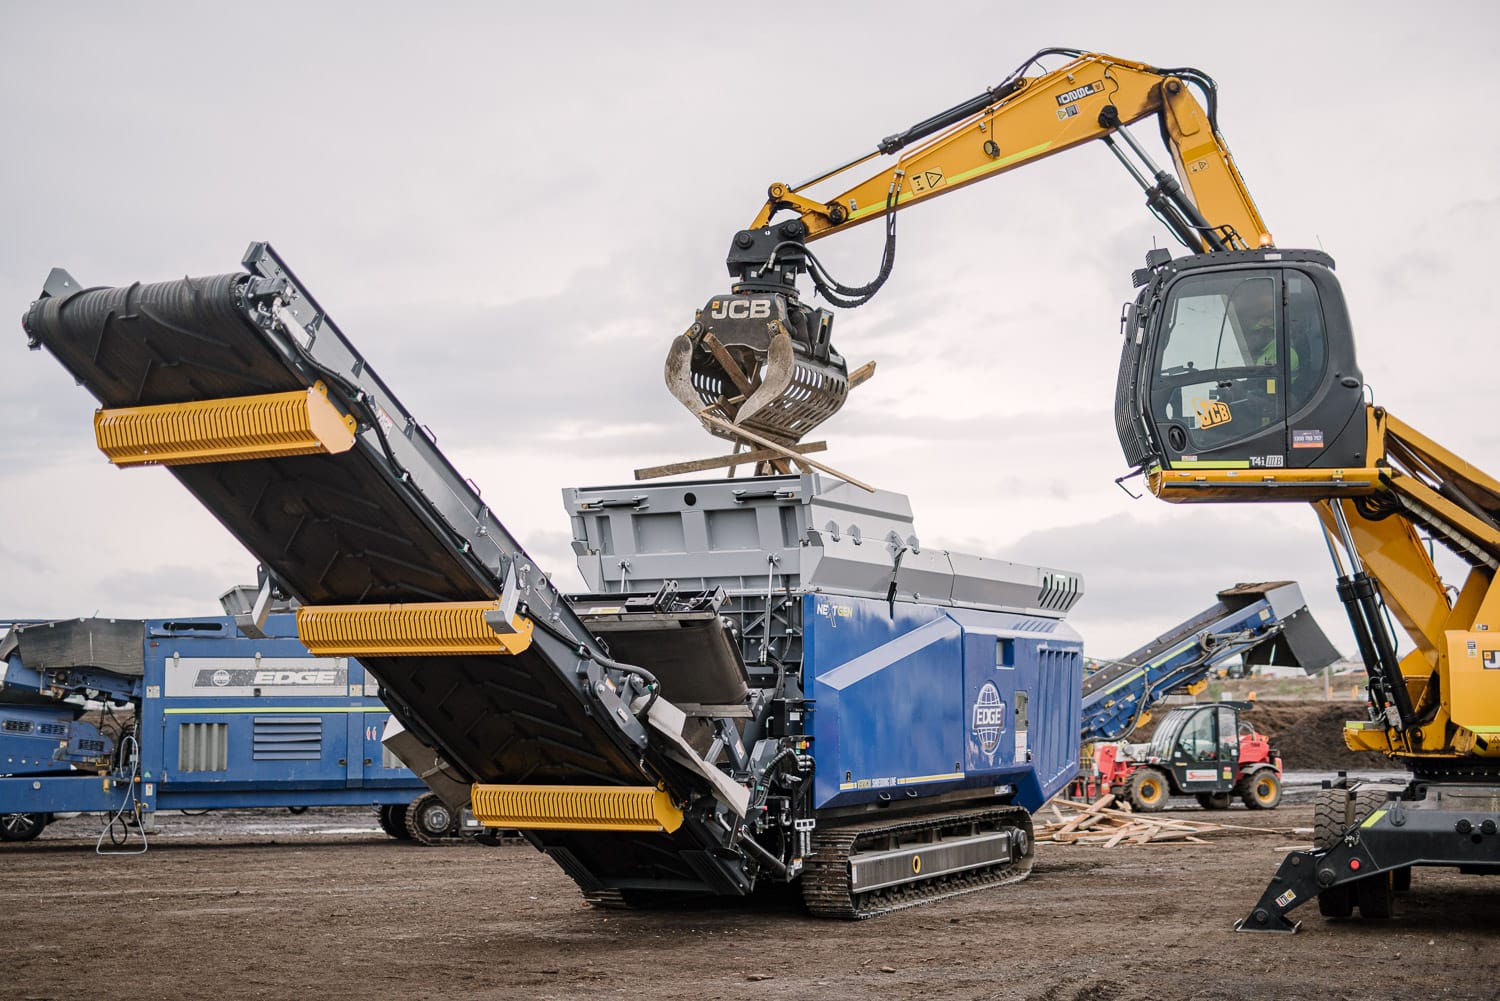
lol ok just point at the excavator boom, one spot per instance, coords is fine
(760, 359)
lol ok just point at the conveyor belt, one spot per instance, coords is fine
(389, 521)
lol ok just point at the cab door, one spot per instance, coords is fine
(1197, 753)
(1219, 390)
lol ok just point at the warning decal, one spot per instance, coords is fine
(925, 180)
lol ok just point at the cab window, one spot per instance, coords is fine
(1307, 341)
(1219, 373)
(1198, 742)
(1229, 738)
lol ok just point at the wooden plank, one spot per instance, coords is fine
(861, 375)
(719, 461)
(750, 436)
(1092, 810)
(728, 364)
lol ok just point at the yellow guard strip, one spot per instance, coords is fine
(447, 628)
(301, 422)
(576, 808)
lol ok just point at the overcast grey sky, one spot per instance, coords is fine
(513, 212)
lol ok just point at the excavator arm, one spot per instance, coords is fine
(1028, 118)
(757, 366)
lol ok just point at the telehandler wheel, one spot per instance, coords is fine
(1214, 800)
(1147, 790)
(1401, 879)
(21, 826)
(1264, 790)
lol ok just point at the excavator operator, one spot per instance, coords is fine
(1254, 305)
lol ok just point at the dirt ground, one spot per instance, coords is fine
(324, 906)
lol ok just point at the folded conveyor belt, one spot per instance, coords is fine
(388, 521)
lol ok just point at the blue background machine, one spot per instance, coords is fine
(129, 717)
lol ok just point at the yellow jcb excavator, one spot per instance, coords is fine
(1238, 383)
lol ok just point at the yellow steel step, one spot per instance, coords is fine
(446, 628)
(575, 808)
(301, 422)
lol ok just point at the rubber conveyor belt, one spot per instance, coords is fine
(388, 521)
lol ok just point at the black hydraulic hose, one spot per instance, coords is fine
(653, 685)
(776, 865)
(849, 297)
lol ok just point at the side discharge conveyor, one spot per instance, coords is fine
(1267, 623)
(771, 680)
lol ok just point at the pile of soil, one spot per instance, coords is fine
(1310, 735)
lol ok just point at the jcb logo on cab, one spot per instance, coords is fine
(1212, 413)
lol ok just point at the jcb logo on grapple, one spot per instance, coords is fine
(740, 309)
(1212, 413)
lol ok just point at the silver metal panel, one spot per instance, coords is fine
(805, 532)
(247, 677)
(876, 870)
(843, 567)
(927, 576)
(202, 747)
(983, 582)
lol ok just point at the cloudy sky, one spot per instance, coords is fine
(513, 212)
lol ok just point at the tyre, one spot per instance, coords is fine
(1375, 895)
(1329, 818)
(1214, 800)
(296, 811)
(1147, 790)
(1337, 901)
(393, 820)
(428, 820)
(1263, 791)
(21, 826)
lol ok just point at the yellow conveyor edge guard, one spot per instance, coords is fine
(575, 808)
(428, 629)
(300, 422)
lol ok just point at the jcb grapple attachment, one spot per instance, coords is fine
(759, 362)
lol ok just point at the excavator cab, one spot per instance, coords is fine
(1238, 378)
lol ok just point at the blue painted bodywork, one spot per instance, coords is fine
(914, 700)
(297, 731)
